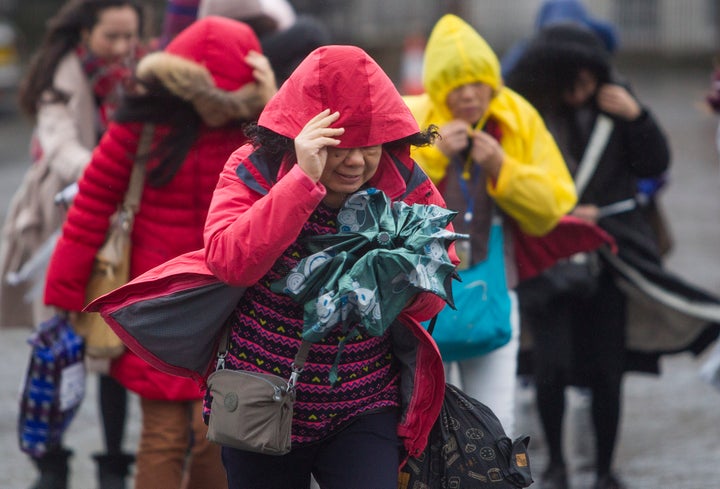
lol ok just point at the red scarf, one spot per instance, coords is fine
(109, 80)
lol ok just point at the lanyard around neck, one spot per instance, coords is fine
(469, 172)
(467, 191)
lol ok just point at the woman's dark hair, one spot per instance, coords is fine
(261, 25)
(419, 139)
(64, 32)
(158, 106)
(550, 65)
(269, 144)
(273, 146)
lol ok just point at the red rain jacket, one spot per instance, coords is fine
(254, 217)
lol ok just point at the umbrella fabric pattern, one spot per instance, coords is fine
(383, 254)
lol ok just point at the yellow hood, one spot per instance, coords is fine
(534, 186)
(456, 55)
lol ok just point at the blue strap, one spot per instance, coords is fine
(467, 194)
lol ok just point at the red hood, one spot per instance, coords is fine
(344, 79)
(220, 45)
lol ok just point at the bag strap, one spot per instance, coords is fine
(297, 365)
(598, 140)
(137, 177)
(431, 326)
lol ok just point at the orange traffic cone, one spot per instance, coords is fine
(412, 65)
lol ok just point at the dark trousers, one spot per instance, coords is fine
(580, 341)
(363, 455)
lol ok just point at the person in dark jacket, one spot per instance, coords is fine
(286, 36)
(566, 74)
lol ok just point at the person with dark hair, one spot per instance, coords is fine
(563, 12)
(71, 88)
(286, 36)
(335, 127)
(553, 12)
(197, 94)
(566, 73)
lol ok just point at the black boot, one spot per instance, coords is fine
(113, 469)
(53, 467)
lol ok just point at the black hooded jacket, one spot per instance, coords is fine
(635, 149)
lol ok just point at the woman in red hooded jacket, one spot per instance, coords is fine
(197, 93)
(337, 125)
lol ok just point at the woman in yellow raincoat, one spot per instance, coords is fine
(494, 159)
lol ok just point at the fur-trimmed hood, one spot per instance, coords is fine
(205, 65)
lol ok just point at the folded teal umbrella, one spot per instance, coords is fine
(383, 254)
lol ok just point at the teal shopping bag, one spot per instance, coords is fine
(481, 321)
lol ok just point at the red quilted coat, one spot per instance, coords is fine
(171, 217)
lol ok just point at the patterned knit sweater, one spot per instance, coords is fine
(266, 334)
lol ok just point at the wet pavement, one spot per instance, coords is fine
(671, 423)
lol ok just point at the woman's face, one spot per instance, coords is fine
(115, 35)
(469, 102)
(347, 170)
(583, 90)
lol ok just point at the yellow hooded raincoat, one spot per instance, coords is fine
(534, 186)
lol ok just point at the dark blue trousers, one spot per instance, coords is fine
(364, 454)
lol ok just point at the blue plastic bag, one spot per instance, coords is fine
(53, 388)
(481, 321)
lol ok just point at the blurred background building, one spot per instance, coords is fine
(389, 28)
(663, 27)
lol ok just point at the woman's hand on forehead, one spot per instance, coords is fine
(312, 142)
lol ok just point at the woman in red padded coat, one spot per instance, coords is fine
(197, 93)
